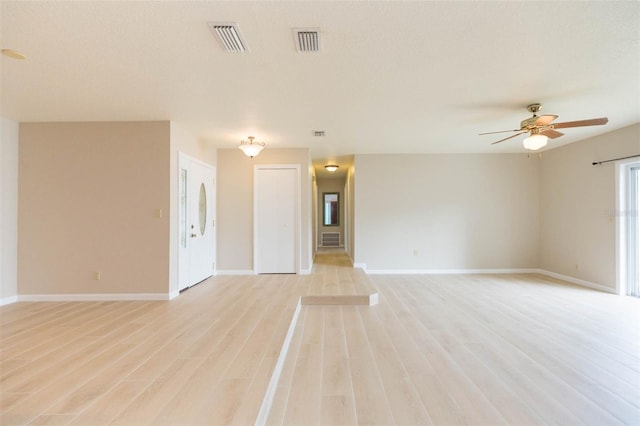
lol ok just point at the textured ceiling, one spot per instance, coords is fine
(392, 77)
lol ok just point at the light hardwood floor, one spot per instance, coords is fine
(472, 349)
(467, 349)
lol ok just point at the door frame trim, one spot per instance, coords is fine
(298, 221)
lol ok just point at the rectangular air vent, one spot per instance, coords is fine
(307, 39)
(229, 36)
(330, 239)
(318, 133)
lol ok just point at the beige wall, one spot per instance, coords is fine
(8, 211)
(184, 141)
(89, 195)
(235, 205)
(309, 250)
(330, 185)
(314, 213)
(351, 208)
(438, 212)
(577, 237)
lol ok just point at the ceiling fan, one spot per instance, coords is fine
(541, 129)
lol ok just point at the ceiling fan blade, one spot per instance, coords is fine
(501, 131)
(543, 120)
(513, 136)
(582, 123)
(552, 134)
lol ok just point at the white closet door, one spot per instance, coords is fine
(276, 197)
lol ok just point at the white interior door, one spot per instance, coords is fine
(276, 224)
(197, 221)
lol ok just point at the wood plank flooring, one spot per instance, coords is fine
(466, 349)
(472, 349)
(202, 358)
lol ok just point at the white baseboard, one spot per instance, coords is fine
(550, 274)
(267, 401)
(92, 297)
(174, 294)
(250, 272)
(8, 300)
(362, 266)
(577, 281)
(235, 272)
(449, 271)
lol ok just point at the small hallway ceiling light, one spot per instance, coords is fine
(331, 168)
(251, 148)
(535, 142)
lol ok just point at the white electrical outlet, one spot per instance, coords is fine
(97, 275)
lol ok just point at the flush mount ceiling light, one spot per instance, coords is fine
(13, 54)
(535, 142)
(331, 167)
(251, 148)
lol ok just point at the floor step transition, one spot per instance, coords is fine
(341, 300)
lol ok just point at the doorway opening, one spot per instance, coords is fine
(331, 208)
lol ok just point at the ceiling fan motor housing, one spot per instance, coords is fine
(529, 122)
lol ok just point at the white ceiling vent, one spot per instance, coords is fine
(307, 39)
(229, 36)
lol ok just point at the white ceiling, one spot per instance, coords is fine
(392, 77)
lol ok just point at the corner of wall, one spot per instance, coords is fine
(9, 133)
(576, 236)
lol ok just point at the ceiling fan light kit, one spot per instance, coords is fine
(541, 128)
(535, 142)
